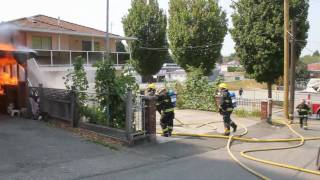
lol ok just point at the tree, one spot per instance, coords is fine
(316, 53)
(302, 73)
(148, 23)
(77, 79)
(258, 35)
(196, 32)
(120, 47)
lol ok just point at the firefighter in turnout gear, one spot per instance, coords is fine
(166, 109)
(303, 111)
(226, 108)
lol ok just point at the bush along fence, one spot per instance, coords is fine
(137, 119)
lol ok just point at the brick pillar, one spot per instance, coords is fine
(150, 116)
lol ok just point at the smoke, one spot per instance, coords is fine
(7, 33)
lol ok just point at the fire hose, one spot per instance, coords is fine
(244, 154)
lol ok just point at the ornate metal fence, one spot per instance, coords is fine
(138, 117)
(249, 104)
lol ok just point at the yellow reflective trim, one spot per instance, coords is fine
(169, 110)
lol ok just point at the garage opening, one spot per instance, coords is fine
(13, 78)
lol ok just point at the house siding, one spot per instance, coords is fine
(66, 42)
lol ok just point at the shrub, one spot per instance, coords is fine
(76, 80)
(197, 92)
(111, 92)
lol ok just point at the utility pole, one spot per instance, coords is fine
(293, 69)
(107, 46)
(286, 59)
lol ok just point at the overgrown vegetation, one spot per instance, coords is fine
(111, 92)
(76, 80)
(197, 92)
(244, 113)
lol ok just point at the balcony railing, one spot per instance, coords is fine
(67, 57)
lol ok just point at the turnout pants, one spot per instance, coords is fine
(166, 123)
(227, 121)
(303, 121)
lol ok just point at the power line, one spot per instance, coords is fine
(190, 48)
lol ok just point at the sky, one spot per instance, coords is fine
(93, 14)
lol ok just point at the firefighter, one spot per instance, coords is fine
(303, 111)
(166, 109)
(226, 108)
(151, 90)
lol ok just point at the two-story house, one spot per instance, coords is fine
(57, 43)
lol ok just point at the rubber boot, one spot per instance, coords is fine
(234, 126)
(226, 132)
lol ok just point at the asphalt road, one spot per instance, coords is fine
(31, 150)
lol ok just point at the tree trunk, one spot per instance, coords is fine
(269, 84)
(147, 79)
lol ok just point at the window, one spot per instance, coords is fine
(96, 46)
(39, 42)
(87, 46)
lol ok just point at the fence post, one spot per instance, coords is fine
(129, 116)
(269, 109)
(150, 117)
(264, 110)
(41, 97)
(74, 108)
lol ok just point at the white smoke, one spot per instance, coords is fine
(7, 33)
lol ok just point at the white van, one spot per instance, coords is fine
(313, 85)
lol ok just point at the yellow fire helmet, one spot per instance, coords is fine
(151, 86)
(223, 86)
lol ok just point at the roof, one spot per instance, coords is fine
(314, 67)
(42, 23)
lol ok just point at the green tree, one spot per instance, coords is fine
(258, 34)
(148, 23)
(77, 79)
(302, 73)
(196, 32)
(316, 53)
